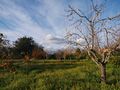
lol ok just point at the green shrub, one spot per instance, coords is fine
(115, 60)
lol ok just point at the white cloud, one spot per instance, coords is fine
(23, 24)
(55, 40)
(80, 40)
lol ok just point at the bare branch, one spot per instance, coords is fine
(99, 34)
(77, 13)
(108, 18)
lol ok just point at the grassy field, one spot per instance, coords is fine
(58, 75)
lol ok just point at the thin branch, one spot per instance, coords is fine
(82, 16)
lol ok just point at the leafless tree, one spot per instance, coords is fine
(98, 35)
(59, 55)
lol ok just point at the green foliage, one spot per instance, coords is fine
(24, 46)
(115, 60)
(51, 56)
(4, 49)
(3, 40)
(59, 75)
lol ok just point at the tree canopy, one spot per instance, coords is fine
(24, 46)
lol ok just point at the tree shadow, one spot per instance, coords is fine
(28, 68)
(111, 82)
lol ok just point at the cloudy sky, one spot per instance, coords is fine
(44, 20)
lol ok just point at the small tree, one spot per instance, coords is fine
(68, 53)
(24, 47)
(38, 52)
(4, 47)
(98, 35)
(78, 53)
(59, 54)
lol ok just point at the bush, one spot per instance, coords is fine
(115, 60)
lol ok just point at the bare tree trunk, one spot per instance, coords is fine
(103, 72)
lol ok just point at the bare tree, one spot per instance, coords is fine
(98, 35)
(59, 55)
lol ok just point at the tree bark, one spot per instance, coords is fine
(103, 73)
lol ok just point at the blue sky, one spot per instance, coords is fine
(42, 19)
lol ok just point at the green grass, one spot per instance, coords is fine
(59, 75)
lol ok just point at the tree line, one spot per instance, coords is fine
(26, 47)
